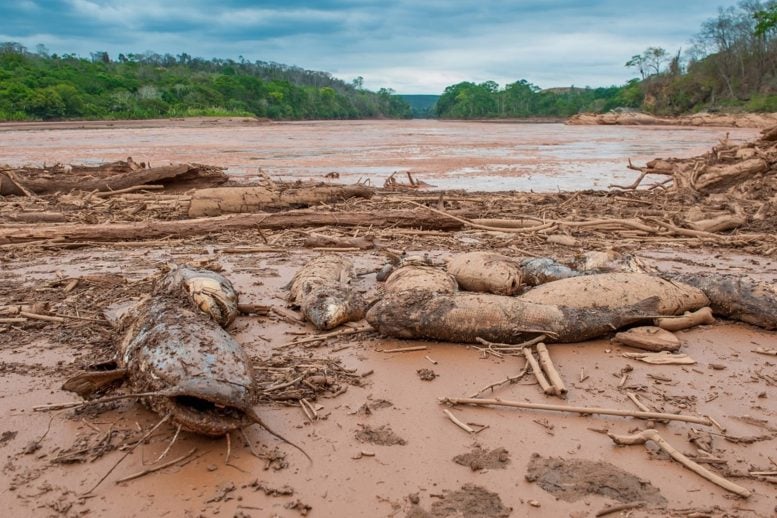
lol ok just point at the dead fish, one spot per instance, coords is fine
(736, 297)
(617, 290)
(487, 272)
(321, 289)
(212, 293)
(196, 373)
(464, 317)
(421, 277)
(541, 270)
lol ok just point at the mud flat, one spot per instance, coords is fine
(367, 408)
(732, 120)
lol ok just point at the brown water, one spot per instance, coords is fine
(468, 155)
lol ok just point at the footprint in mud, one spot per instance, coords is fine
(572, 479)
(480, 458)
(471, 501)
(381, 435)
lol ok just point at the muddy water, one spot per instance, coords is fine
(467, 155)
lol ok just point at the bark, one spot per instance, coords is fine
(226, 200)
(44, 181)
(192, 227)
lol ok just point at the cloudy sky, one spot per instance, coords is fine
(412, 46)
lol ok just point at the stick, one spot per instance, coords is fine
(324, 336)
(151, 187)
(157, 468)
(129, 451)
(406, 349)
(653, 435)
(45, 318)
(78, 404)
(510, 230)
(621, 507)
(508, 379)
(579, 409)
(535, 368)
(553, 376)
(639, 404)
(458, 423)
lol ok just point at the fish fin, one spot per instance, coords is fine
(87, 383)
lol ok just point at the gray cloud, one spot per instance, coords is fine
(413, 47)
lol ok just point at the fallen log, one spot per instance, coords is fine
(232, 200)
(314, 240)
(108, 232)
(40, 181)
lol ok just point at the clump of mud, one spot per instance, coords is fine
(471, 501)
(426, 374)
(382, 435)
(480, 458)
(572, 479)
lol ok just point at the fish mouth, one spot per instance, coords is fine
(209, 408)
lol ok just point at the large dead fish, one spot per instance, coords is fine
(487, 272)
(321, 289)
(212, 293)
(619, 290)
(736, 297)
(464, 317)
(198, 375)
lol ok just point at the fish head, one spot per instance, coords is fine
(212, 293)
(329, 306)
(207, 406)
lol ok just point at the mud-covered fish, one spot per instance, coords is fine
(487, 272)
(322, 290)
(212, 293)
(736, 297)
(200, 377)
(464, 317)
(541, 270)
(421, 277)
(619, 290)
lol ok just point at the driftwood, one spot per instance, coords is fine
(314, 240)
(649, 338)
(689, 319)
(191, 227)
(232, 200)
(653, 435)
(49, 181)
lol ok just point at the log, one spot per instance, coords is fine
(44, 182)
(108, 232)
(232, 200)
(37, 217)
(718, 178)
(689, 319)
(719, 224)
(314, 240)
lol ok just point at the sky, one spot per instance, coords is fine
(411, 46)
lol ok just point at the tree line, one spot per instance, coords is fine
(730, 65)
(42, 86)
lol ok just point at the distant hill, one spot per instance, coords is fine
(421, 106)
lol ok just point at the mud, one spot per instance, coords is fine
(382, 435)
(479, 458)
(344, 376)
(573, 479)
(471, 501)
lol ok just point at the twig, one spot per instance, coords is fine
(621, 507)
(229, 448)
(36, 316)
(579, 409)
(339, 332)
(535, 368)
(547, 365)
(151, 187)
(129, 451)
(508, 379)
(653, 435)
(167, 450)
(458, 423)
(405, 349)
(79, 404)
(157, 468)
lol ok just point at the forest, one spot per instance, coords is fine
(730, 65)
(42, 86)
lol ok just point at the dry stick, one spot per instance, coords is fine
(151, 187)
(621, 507)
(45, 318)
(484, 227)
(535, 368)
(653, 435)
(129, 451)
(516, 347)
(508, 379)
(167, 450)
(579, 409)
(639, 404)
(229, 448)
(547, 365)
(79, 404)
(318, 338)
(457, 422)
(157, 468)
(406, 349)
